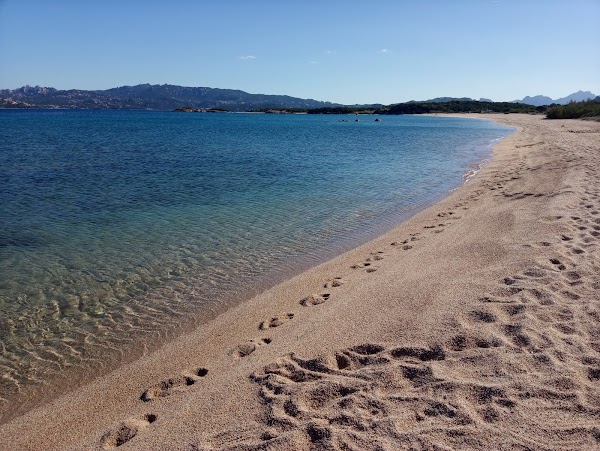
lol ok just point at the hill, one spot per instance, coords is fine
(170, 97)
(150, 97)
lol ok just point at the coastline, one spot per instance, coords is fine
(352, 223)
(462, 295)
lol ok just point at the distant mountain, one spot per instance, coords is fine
(578, 96)
(536, 100)
(170, 97)
(544, 100)
(151, 97)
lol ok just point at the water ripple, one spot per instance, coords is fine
(117, 228)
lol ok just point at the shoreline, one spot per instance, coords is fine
(55, 385)
(414, 295)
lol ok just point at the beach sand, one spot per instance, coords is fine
(473, 325)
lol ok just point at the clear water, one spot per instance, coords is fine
(119, 227)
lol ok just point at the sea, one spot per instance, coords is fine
(119, 230)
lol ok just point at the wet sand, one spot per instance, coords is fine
(473, 325)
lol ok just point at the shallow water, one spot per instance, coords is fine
(118, 227)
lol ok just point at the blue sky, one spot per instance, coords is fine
(342, 51)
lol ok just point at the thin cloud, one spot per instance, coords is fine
(314, 62)
(248, 57)
(328, 52)
(384, 51)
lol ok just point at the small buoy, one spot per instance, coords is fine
(377, 120)
(356, 120)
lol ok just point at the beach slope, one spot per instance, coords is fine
(473, 325)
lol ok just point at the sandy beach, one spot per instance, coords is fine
(473, 325)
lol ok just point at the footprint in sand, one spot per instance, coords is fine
(556, 262)
(403, 244)
(482, 316)
(516, 334)
(323, 395)
(245, 349)
(173, 385)
(333, 283)
(368, 264)
(275, 321)
(125, 431)
(573, 277)
(314, 299)
(463, 342)
(376, 256)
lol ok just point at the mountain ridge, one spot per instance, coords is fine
(541, 100)
(152, 97)
(168, 97)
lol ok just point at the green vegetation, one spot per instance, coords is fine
(573, 110)
(453, 106)
(458, 106)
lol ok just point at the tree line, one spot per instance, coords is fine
(454, 106)
(574, 110)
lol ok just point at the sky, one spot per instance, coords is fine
(340, 51)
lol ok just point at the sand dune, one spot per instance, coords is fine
(473, 325)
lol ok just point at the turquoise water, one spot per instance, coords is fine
(118, 227)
